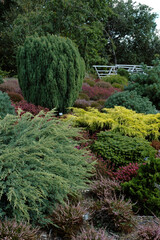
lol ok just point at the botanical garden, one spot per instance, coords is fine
(79, 155)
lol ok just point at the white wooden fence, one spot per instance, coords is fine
(103, 70)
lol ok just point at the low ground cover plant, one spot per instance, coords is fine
(28, 107)
(118, 119)
(122, 150)
(67, 220)
(10, 229)
(39, 165)
(91, 233)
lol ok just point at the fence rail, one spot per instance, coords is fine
(103, 70)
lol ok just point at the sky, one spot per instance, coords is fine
(155, 4)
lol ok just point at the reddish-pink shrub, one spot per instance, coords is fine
(126, 173)
(28, 107)
(96, 93)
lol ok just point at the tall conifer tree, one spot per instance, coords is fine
(50, 71)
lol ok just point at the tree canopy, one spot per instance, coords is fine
(106, 32)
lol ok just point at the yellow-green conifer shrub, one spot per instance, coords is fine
(50, 71)
(119, 119)
(39, 166)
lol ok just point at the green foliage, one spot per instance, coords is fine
(117, 85)
(5, 105)
(148, 84)
(39, 165)
(17, 231)
(132, 28)
(116, 79)
(122, 150)
(118, 119)
(55, 81)
(123, 72)
(4, 73)
(1, 79)
(131, 100)
(144, 189)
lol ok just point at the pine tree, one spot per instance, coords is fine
(50, 71)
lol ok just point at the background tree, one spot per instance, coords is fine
(132, 28)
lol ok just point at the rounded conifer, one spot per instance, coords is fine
(50, 71)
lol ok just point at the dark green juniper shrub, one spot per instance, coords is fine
(144, 189)
(121, 150)
(5, 105)
(131, 100)
(148, 84)
(67, 220)
(12, 230)
(50, 71)
(39, 165)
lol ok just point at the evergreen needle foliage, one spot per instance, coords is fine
(39, 165)
(131, 100)
(118, 119)
(5, 105)
(50, 71)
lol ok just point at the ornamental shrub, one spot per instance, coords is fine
(103, 84)
(131, 100)
(11, 86)
(96, 93)
(118, 85)
(83, 96)
(116, 79)
(67, 220)
(39, 166)
(92, 234)
(126, 173)
(50, 71)
(149, 231)
(10, 229)
(5, 105)
(15, 97)
(148, 84)
(144, 189)
(28, 107)
(114, 213)
(118, 119)
(122, 150)
(123, 72)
